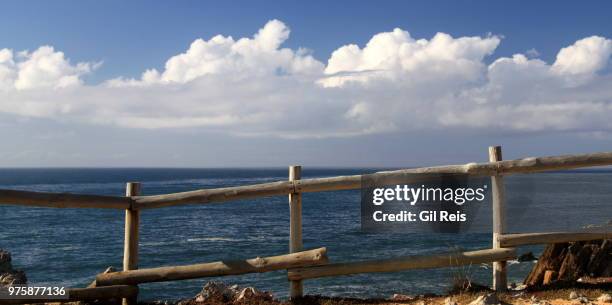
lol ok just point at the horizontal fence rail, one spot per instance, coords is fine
(527, 165)
(404, 263)
(63, 200)
(215, 195)
(512, 240)
(255, 265)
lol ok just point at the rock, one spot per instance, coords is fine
(5, 261)
(571, 261)
(16, 277)
(246, 293)
(8, 275)
(402, 297)
(218, 292)
(573, 295)
(527, 257)
(251, 293)
(519, 287)
(534, 301)
(605, 298)
(549, 276)
(488, 299)
(449, 301)
(582, 300)
(199, 298)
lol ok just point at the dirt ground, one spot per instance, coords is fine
(547, 297)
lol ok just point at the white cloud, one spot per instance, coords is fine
(42, 69)
(586, 56)
(254, 86)
(221, 55)
(398, 56)
(7, 69)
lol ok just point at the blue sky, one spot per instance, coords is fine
(131, 36)
(81, 81)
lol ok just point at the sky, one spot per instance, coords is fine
(316, 83)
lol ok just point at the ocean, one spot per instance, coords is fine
(68, 247)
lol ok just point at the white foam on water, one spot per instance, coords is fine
(156, 243)
(211, 239)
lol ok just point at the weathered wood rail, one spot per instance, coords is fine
(513, 240)
(520, 166)
(63, 200)
(254, 265)
(404, 263)
(313, 263)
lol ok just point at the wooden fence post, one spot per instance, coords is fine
(500, 280)
(295, 227)
(130, 245)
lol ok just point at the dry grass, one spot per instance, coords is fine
(552, 297)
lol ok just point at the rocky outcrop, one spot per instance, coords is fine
(527, 257)
(8, 275)
(220, 293)
(571, 261)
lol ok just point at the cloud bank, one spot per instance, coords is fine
(255, 86)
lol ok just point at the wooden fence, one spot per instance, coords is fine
(312, 263)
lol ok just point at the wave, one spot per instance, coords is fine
(156, 243)
(211, 239)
